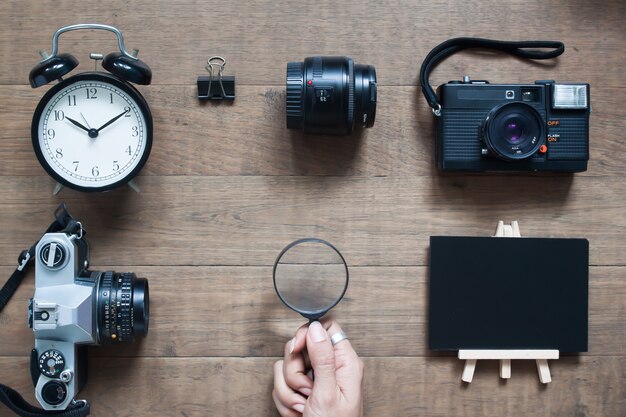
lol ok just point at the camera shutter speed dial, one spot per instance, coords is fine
(51, 363)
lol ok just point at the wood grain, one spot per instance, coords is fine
(249, 137)
(407, 387)
(228, 186)
(234, 311)
(258, 39)
(374, 221)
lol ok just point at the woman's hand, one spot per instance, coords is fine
(337, 387)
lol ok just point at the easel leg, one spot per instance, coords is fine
(505, 368)
(544, 371)
(468, 370)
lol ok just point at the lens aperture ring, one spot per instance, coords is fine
(295, 95)
(124, 322)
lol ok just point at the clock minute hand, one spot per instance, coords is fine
(112, 120)
(75, 123)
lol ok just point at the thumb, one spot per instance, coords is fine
(322, 358)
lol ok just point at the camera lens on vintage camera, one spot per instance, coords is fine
(513, 131)
(329, 95)
(122, 307)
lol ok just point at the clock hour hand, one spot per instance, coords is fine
(75, 123)
(112, 120)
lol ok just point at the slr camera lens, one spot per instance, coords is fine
(122, 307)
(513, 131)
(330, 95)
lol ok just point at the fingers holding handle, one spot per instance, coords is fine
(322, 356)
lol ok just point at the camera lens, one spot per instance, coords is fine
(330, 95)
(513, 131)
(122, 307)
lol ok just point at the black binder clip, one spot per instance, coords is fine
(216, 86)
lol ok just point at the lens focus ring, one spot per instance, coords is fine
(350, 92)
(295, 87)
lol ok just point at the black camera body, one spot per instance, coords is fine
(513, 127)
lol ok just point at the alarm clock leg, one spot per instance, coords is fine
(132, 184)
(57, 188)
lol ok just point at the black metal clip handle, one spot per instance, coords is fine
(216, 86)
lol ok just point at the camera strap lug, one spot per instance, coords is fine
(23, 260)
(452, 46)
(64, 222)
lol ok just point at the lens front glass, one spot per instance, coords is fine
(310, 277)
(514, 131)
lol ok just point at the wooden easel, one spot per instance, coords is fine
(541, 356)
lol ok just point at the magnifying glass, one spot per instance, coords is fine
(310, 277)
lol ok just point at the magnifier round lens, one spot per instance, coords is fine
(310, 277)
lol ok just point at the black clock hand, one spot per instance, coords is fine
(75, 123)
(111, 121)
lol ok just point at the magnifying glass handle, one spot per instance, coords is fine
(312, 371)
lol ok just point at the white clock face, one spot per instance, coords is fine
(92, 133)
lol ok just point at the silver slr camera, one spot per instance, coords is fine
(74, 308)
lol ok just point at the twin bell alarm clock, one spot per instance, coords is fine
(92, 131)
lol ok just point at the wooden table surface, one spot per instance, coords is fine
(227, 186)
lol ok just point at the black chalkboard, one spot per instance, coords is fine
(508, 293)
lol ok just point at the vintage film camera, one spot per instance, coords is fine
(513, 127)
(508, 127)
(73, 308)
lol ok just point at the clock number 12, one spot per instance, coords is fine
(91, 93)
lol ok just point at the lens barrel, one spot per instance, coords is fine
(330, 95)
(122, 307)
(513, 131)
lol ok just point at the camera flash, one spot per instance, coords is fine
(569, 96)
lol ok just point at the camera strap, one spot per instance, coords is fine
(18, 404)
(523, 49)
(64, 222)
